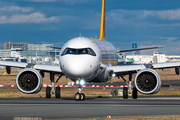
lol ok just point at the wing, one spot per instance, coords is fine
(134, 68)
(120, 51)
(44, 67)
(53, 47)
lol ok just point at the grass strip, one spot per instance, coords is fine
(15, 93)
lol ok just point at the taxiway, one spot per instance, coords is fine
(67, 108)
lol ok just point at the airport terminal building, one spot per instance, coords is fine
(42, 52)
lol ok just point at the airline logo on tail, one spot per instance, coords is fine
(102, 29)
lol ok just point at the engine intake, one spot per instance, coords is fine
(147, 81)
(29, 81)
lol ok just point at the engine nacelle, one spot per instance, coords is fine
(147, 81)
(105, 74)
(29, 81)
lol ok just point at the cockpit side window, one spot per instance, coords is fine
(88, 51)
(65, 52)
(91, 52)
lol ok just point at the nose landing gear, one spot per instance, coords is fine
(79, 95)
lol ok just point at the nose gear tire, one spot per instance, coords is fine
(77, 96)
(82, 96)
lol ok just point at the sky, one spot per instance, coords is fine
(145, 22)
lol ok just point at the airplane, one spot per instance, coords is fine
(83, 60)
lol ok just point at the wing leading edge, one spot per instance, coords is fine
(133, 68)
(120, 51)
(44, 67)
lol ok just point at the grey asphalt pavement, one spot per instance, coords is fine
(67, 108)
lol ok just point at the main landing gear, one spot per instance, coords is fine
(128, 90)
(79, 95)
(53, 89)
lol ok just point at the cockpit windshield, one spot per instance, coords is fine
(73, 51)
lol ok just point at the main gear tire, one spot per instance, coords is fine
(125, 93)
(58, 92)
(48, 92)
(134, 93)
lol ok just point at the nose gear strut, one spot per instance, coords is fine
(79, 95)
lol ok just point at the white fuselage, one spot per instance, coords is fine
(81, 58)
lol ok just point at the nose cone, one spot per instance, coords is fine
(79, 67)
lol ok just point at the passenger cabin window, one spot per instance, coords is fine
(88, 51)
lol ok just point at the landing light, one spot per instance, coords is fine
(82, 82)
(77, 82)
(113, 75)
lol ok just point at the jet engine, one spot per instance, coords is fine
(147, 81)
(29, 81)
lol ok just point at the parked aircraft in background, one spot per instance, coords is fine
(84, 60)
